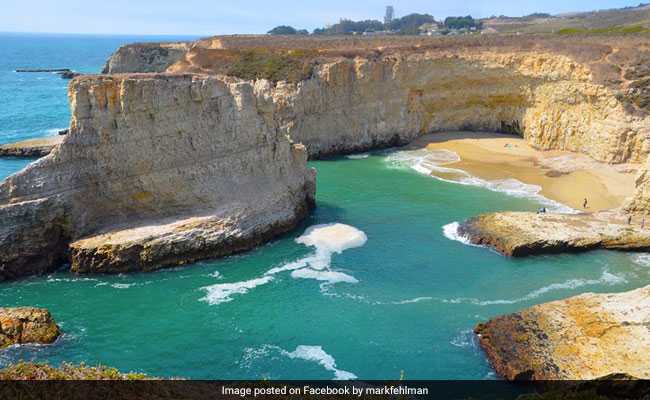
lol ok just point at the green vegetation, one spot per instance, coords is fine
(611, 29)
(410, 24)
(287, 30)
(32, 371)
(347, 27)
(292, 66)
(466, 22)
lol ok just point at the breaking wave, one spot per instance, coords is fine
(318, 355)
(450, 231)
(428, 162)
(302, 352)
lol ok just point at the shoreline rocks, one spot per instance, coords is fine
(33, 148)
(583, 337)
(24, 325)
(521, 234)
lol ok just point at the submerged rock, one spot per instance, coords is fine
(26, 325)
(583, 337)
(32, 148)
(520, 234)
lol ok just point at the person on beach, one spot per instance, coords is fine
(629, 219)
(584, 203)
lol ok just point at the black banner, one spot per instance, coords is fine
(267, 390)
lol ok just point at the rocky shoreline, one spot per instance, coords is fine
(34, 148)
(27, 325)
(583, 337)
(520, 234)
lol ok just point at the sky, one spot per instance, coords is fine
(207, 17)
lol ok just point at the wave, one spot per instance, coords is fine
(122, 285)
(450, 231)
(357, 156)
(223, 292)
(318, 355)
(606, 278)
(642, 259)
(428, 162)
(411, 301)
(328, 239)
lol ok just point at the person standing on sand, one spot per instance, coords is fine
(629, 219)
(584, 203)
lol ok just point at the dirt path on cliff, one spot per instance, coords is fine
(565, 177)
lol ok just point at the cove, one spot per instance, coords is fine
(416, 299)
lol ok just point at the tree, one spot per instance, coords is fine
(390, 14)
(466, 22)
(283, 30)
(410, 24)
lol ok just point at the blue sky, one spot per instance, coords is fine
(203, 17)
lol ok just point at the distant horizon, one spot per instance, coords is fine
(168, 18)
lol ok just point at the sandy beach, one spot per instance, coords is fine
(565, 177)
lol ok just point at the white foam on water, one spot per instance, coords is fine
(318, 355)
(328, 239)
(224, 292)
(326, 276)
(357, 156)
(606, 278)
(122, 285)
(411, 301)
(427, 162)
(642, 259)
(450, 231)
(464, 339)
(216, 274)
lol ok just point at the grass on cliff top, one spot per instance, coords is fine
(608, 30)
(292, 65)
(33, 371)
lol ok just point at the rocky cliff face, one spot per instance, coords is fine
(192, 162)
(26, 325)
(583, 337)
(145, 57)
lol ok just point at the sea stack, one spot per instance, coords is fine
(25, 325)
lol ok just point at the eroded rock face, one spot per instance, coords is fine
(583, 337)
(191, 162)
(26, 325)
(145, 57)
(520, 234)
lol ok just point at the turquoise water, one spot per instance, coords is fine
(406, 298)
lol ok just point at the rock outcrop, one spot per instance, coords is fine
(583, 337)
(33, 148)
(157, 170)
(520, 234)
(26, 325)
(145, 57)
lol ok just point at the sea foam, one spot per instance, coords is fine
(318, 355)
(607, 278)
(223, 292)
(428, 162)
(327, 240)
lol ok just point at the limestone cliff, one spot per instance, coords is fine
(190, 161)
(583, 337)
(145, 57)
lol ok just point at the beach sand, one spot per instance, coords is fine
(565, 177)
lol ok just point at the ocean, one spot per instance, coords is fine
(396, 295)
